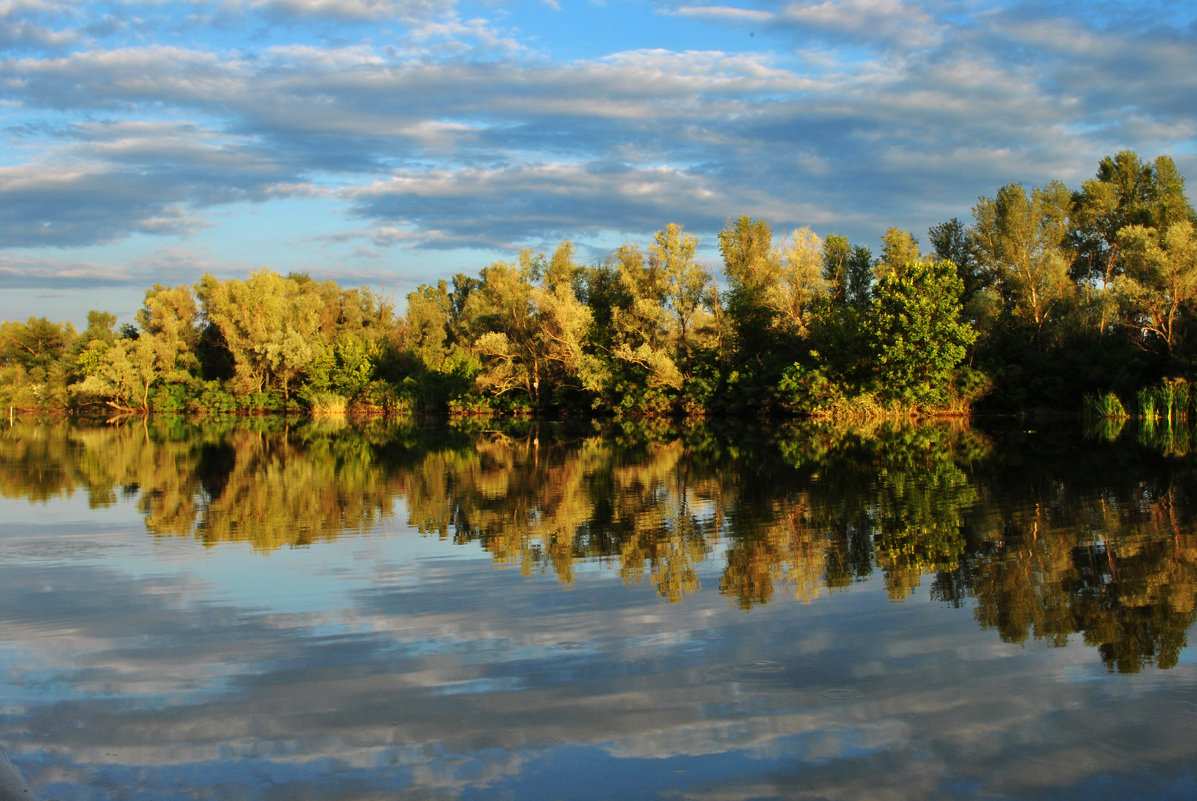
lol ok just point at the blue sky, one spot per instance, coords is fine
(395, 142)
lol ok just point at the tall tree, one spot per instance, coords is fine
(427, 329)
(686, 283)
(100, 328)
(564, 320)
(799, 283)
(952, 241)
(1159, 278)
(34, 344)
(34, 370)
(750, 264)
(1020, 238)
(533, 322)
(270, 324)
(836, 252)
(860, 277)
(643, 375)
(898, 248)
(1126, 191)
(122, 372)
(503, 307)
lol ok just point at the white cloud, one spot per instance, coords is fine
(725, 14)
(21, 270)
(899, 24)
(849, 117)
(533, 204)
(407, 10)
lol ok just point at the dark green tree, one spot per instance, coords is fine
(952, 241)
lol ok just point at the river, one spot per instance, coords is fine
(263, 609)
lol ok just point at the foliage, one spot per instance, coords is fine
(1046, 297)
(805, 390)
(328, 404)
(1170, 400)
(1159, 279)
(898, 248)
(212, 397)
(381, 398)
(917, 335)
(270, 325)
(1104, 407)
(1020, 239)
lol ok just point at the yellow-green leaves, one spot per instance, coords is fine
(270, 324)
(533, 326)
(1159, 279)
(1021, 239)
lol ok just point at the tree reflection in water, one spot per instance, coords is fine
(1046, 537)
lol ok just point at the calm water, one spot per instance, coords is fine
(404, 612)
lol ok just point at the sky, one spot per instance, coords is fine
(391, 143)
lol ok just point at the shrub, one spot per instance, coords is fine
(213, 398)
(268, 401)
(381, 399)
(169, 398)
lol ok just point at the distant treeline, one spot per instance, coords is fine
(1047, 296)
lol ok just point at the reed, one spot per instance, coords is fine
(1180, 398)
(1146, 402)
(1104, 407)
(329, 404)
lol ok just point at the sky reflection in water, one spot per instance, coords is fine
(153, 649)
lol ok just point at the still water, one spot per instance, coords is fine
(274, 611)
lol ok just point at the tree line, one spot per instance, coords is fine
(1048, 294)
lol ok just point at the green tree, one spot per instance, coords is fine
(122, 372)
(504, 308)
(837, 250)
(34, 368)
(917, 335)
(564, 321)
(170, 312)
(860, 277)
(427, 330)
(799, 285)
(101, 325)
(100, 329)
(628, 298)
(640, 316)
(1020, 239)
(686, 284)
(1159, 279)
(533, 325)
(952, 241)
(35, 344)
(1127, 191)
(750, 265)
(270, 325)
(898, 248)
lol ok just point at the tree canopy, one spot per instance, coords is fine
(1047, 295)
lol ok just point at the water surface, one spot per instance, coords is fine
(274, 611)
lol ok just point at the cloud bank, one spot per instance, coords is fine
(427, 128)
